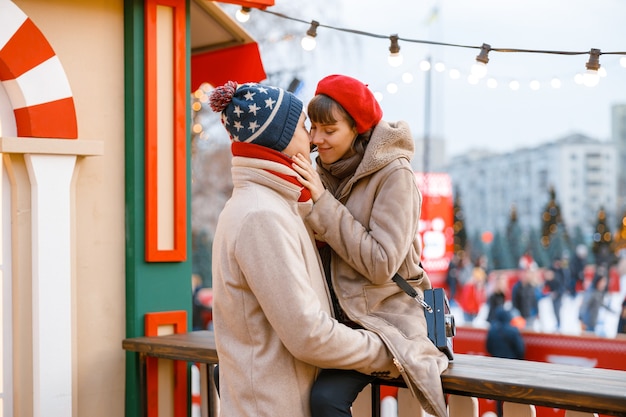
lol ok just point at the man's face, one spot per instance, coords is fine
(301, 140)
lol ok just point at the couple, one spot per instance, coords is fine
(289, 342)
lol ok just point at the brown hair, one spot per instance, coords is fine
(321, 110)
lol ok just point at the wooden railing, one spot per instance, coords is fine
(520, 384)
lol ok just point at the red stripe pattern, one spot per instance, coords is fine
(25, 50)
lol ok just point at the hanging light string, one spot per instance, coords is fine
(428, 42)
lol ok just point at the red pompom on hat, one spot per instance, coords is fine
(355, 97)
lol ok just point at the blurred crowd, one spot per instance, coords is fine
(569, 286)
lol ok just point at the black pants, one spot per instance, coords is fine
(335, 390)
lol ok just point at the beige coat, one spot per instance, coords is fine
(273, 327)
(373, 230)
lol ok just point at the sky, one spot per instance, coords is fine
(465, 116)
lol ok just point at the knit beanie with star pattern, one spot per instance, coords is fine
(259, 114)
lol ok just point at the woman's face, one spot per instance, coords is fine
(301, 140)
(334, 140)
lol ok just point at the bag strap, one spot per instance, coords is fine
(407, 288)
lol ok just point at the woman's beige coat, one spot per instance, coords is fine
(272, 320)
(373, 231)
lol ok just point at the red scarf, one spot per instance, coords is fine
(250, 150)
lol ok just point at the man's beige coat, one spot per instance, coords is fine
(272, 319)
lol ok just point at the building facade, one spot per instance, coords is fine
(95, 236)
(581, 170)
(618, 134)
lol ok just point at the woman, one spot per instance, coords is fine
(365, 215)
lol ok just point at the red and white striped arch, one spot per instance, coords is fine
(34, 79)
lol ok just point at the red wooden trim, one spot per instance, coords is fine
(26, 49)
(241, 63)
(256, 4)
(179, 251)
(55, 119)
(152, 323)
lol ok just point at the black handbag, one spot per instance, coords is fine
(439, 321)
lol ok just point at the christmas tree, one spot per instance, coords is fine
(460, 234)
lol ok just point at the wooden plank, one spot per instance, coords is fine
(198, 346)
(576, 388)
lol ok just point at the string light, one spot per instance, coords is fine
(479, 69)
(392, 88)
(308, 42)
(243, 15)
(395, 58)
(591, 78)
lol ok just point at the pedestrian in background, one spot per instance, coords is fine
(577, 269)
(593, 300)
(497, 297)
(473, 294)
(555, 282)
(504, 340)
(525, 295)
(621, 324)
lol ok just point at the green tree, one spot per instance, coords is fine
(460, 233)
(514, 238)
(619, 243)
(602, 240)
(500, 253)
(536, 249)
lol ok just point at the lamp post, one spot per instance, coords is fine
(427, 109)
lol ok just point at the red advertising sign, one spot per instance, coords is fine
(436, 224)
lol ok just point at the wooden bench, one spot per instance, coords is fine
(591, 390)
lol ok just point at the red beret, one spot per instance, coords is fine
(354, 97)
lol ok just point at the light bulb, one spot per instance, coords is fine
(425, 65)
(578, 79)
(479, 69)
(407, 77)
(555, 83)
(392, 88)
(514, 85)
(591, 78)
(395, 59)
(308, 43)
(492, 83)
(535, 85)
(243, 15)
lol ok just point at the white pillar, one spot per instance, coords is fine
(50, 177)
